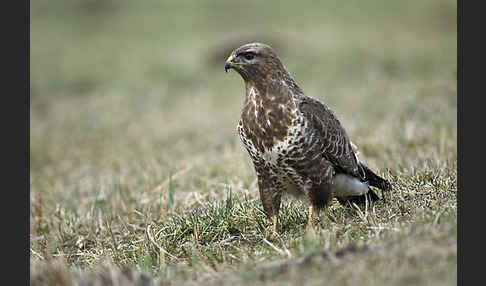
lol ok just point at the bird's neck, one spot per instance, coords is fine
(259, 94)
(280, 78)
(272, 90)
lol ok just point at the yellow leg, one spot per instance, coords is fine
(275, 219)
(274, 234)
(309, 219)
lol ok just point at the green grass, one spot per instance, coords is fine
(137, 172)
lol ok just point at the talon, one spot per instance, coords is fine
(309, 219)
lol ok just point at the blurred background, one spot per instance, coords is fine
(133, 121)
(131, 91)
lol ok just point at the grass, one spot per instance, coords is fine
(137, 174)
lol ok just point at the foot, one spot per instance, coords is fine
(274, 233)
(309, 225)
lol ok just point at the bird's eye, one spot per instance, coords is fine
(249, 55)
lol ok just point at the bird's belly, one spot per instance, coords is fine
(272, 157)
(298, 144)
(277, 159)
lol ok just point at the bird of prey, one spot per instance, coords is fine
(297, 144)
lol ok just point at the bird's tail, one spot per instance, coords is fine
(376, 181)
(373, 180)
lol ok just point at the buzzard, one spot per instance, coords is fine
(297, 144)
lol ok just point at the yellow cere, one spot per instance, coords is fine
(231, 58)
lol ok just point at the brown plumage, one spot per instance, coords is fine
(296, 143)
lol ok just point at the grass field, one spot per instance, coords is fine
(137, 175)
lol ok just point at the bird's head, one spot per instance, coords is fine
(255, 61)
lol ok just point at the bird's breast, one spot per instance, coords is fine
(267, 119)
(275, 147)
(266, 127)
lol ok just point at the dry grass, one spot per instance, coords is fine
(137, 175)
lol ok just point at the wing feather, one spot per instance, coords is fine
(337, 148)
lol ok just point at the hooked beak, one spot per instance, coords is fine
(228, 65)
(232, 62)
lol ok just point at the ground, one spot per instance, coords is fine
(136, 166)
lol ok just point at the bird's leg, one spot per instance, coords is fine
(275, 220)
(270, 195)
(274, 226)
(309, 218)
(319, 194)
